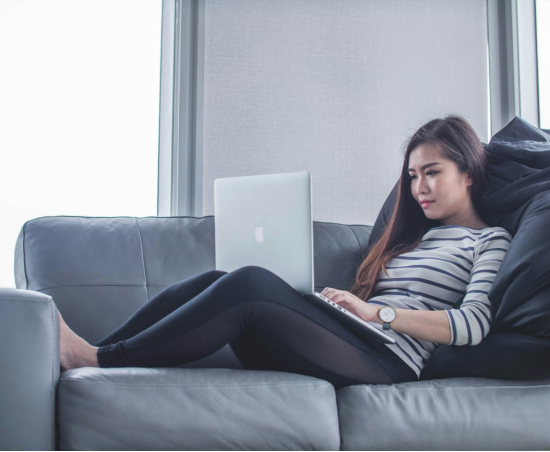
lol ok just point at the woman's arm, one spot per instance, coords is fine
(470, 323)
(432, 326)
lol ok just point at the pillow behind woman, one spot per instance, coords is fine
(517, 198)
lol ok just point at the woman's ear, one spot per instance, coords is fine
(469, 180)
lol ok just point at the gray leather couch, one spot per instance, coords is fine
(97, 271)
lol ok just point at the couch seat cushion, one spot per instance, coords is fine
(195, 409)
(447, 414)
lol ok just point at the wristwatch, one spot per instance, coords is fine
(387, 314)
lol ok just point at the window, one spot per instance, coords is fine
(543, 63)
(79, 112)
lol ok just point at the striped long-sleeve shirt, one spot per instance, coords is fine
(450, 263)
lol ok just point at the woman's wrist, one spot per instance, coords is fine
(372, 314)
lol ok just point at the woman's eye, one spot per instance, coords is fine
(428, 173)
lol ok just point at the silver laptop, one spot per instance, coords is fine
(265, 221)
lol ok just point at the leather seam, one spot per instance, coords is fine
(342, 224)
(450, 388)
(25, 260)
(26, 299)
(104, 285)
(90, 285)
(118, 216)
(161, 285)
(52, 427)
(358, 243)
(142, 255)
(192, 387)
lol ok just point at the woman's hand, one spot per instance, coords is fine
(431, 326)
(362, 309)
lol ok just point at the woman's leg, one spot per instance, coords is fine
(269, 325)
(162, 304)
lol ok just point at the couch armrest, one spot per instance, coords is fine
(29, 353)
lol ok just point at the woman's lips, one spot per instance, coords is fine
(426, 204)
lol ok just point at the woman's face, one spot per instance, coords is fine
(440, 189)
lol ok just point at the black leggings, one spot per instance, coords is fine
(267, 323)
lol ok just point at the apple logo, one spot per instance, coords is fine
(259, 233)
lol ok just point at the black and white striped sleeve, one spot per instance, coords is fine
(472, 322)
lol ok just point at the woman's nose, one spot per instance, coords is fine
(421, 186)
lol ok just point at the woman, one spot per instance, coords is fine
(434, 251)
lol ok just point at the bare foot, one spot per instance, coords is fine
(74, 351)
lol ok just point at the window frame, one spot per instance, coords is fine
(181, 108)
(513, 71)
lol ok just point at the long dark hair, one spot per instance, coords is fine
(457, 141)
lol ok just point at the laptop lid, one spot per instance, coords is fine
(265, 220)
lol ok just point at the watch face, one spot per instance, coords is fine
(387, 314)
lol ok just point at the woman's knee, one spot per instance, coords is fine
(215, 273)
(252, 277)
(252, 272)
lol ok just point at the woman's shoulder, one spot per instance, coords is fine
(495, 231)
(495, 239)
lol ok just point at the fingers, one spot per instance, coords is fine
(330, 293)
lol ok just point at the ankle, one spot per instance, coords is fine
(93, 357)
(88, 356)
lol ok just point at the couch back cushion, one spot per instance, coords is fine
(101, 270)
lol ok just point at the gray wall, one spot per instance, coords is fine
(334, 87)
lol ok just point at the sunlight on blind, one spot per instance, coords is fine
(79, 90)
